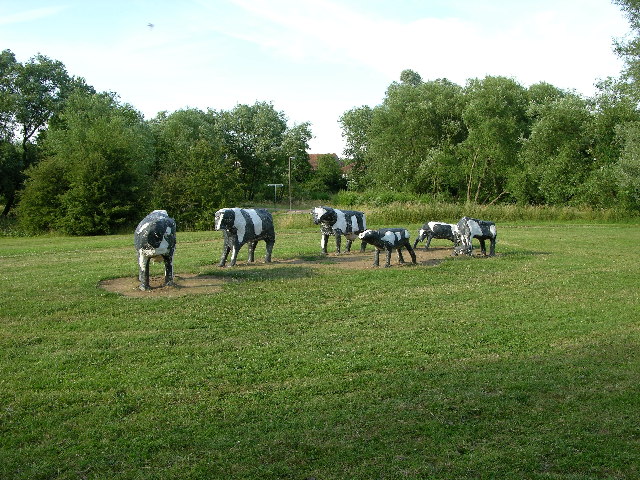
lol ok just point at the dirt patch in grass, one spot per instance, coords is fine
(185, 284)
(194, 284)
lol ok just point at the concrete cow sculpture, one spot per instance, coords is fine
(470, 228)
(244, 225)
(155, 238)
(388, 239)
(433, 230)
(339, 222)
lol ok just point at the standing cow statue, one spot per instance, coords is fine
(244, 225)
(339, 222)
(433, 230)
(388, 239)
(470, 228)
(155, 238)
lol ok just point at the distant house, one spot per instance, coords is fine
(314, 157)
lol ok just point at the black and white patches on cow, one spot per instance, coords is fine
(336, 222)
(244, 225)
(438, 230)
(470, 228)
(155, 238)
(389, 239)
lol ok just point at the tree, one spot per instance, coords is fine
(94, 175)
(411, 124)
(194, 174)
(410, 77)
(328, 176)
(31, 94)
(629, 49)
(556, 158)
(254, 135)
(495, 116)
(356, 128)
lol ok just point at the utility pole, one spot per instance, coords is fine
(290, 158)
(275, 190)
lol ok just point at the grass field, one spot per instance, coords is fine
(521, 366)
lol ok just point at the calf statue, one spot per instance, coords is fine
(470, 228)
(339, 222)
(155, 238)
(244, 225)
(433, 230)
(388, 239)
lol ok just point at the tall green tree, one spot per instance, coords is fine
(414, 121)
(496, 119)
(254, 135)
(94, 177)
(557, 157)
(31, 95)
(629, 47)
(356, 131)
(194, 174)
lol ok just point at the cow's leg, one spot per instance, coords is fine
(388, 264)
(168, 269)
(429, 238)
(376, 258)
(338, 243)
(225, 253)
(400, 257)
(411, 252)
(234, 255)
(323, 243)
(143, 271)
(363, 246)
(252, 250)
(348, 248)
(270, 243)
(492, 247)
(483, 248)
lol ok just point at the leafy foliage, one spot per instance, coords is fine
(100, 153)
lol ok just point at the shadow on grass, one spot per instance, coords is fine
(263, 273)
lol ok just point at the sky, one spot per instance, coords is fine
(313, 60)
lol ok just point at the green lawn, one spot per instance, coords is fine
(521, 366)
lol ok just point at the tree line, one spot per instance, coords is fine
(82, 162)
(494, 140)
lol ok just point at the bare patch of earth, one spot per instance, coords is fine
(194, 284)
(185, 284)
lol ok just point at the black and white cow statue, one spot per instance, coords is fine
(388, 239)
(155, 238)
(433, 230)
(244, 225)
(336, 222)
(470, 228)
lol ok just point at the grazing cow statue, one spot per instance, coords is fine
(388, 239)
(244, 225)
(433, 230)
(155, 238)
(339, 222)
(470, 228)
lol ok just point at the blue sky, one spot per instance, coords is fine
(312, 59)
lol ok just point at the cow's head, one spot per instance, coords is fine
(224, 219)
(324, 215)
(368, 234)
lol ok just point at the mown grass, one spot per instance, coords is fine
(525, 365)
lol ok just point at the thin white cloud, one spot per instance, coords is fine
(29, 15)
(560, 46)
